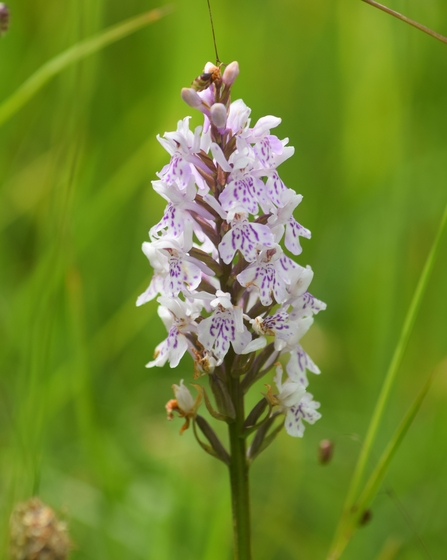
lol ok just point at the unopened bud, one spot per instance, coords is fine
(36, 533)
(4, 18)
(218, 115)
(191, 98)
(325, 451)
(230, 74)
(184, 398)
(184, 404)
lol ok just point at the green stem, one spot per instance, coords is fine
(407, 20)
(79, 51)
(239, 476)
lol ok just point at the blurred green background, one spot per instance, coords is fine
(82, 422)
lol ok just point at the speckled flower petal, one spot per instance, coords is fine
(181, 273)
(269, 277)
(244, 192)
(304, 410)
(154, 288)
(247, 238)
(178, 170)
(275, 187)
(305, 306)
(217, 332)
(297, 365)
(294, 231)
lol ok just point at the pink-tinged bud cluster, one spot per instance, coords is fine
(4, 18)
(225, 283)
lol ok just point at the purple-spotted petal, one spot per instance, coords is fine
(249, 236)
(269, 277)
(304, 410)
(245, 237)
(172, 349)
(244, 192)
(155, 287)
(172, 223)
(306, 305)
(227, 247)
(177, 171)
(294, 231)
(178, 345)
(217, 332)
(297, 365)
(181, 273)
(294, 424)
(275, 188)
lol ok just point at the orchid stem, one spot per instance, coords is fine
(239, 475)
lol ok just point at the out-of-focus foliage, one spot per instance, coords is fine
(82, 422)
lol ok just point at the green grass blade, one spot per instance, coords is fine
(75, 53)
(388, 381)
(396, 361)
(352, 520)
(407, 20)
(390, 550)
(377, 476)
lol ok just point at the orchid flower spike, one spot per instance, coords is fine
(232, 297)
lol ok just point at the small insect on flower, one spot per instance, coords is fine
(4, 18)
(211, 76)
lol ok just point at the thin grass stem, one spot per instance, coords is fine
(75, 53)
(214, 34)
(407, 20)
(353, 520)
(379, 472)
(388, 382)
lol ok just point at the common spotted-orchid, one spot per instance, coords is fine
(229, 293)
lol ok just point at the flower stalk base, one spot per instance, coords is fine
(240, 498)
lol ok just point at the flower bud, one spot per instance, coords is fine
(4, 18)
(184, 404)
(184, 398)
(231, 73)
(191, 98)
(218, 113)
(37, 533)
(325, 451)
